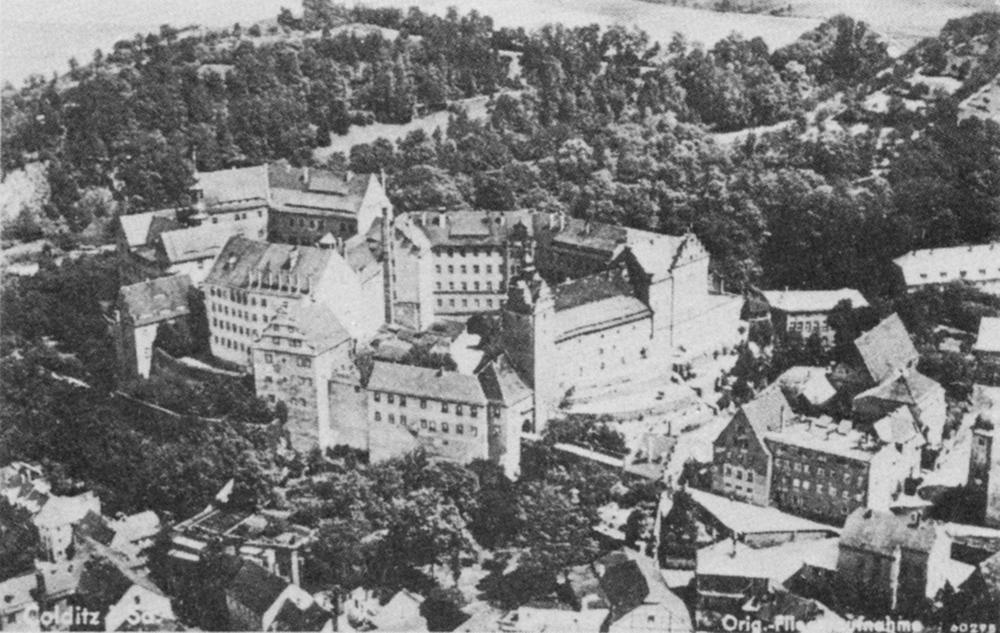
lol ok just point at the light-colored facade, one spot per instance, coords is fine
(142, 309)
(806, 311)
(446, 411)
(251, 281)
(977, 264)
(987, 347)
(293, 359)
(892, 564)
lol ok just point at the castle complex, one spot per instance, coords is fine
(580, 305)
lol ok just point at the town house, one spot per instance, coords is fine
(806, 311)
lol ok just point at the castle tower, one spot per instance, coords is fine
(528, 335)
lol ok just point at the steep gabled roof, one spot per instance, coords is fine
(155, 300)
(135, 227)
(313, 324)
(881, 532)
(905, 388)
(242, 262)
(886, 348)
(502, 384)
(988, 339)
(765, 412)
(94, 526)
(256, 588)
(291, 618)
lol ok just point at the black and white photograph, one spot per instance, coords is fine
(500, 316)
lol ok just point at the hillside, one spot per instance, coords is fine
(860, 163)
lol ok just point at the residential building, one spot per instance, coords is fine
(810, 466)
(825, 469)
(638, 596)
(977, 264)
(891, 564)
(923, 397)
(124, 598)
(55, 522)
(308, 204)
(742, 462)
(18, 607)
(807, 389)
(807, 311)
(886, 350)
(987, 347)
(255, 597)
(297, 353)
(251, 280)
(401, 613)
(142, 309)
(732, 578)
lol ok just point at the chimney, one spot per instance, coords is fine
(781, 419)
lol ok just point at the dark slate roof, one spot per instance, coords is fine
(95, 527)
(886, 348)
(764, 412)
(292, 618)
(160, 225)
(155, 300)
(989, 573)
(256, 588)
(583, 234)
(244, 261)
(314, 324)
(422, 382)
(101, 577)
(501, 383)
(592, 288)
(468, 228)
(881, 532)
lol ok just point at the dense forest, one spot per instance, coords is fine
(601, 123)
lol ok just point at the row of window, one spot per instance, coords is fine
(237, 296)
(476, 303)
(304, 380)
(393, 398)
(232, 327)
(463, 286)
(963, 273)
(808, 326)
(831, 490)
(463, 269)
(430, 425)
(231, 344)
(739, 474)
(301, 361)
(806, 468)
(312, 224)
(473, 252)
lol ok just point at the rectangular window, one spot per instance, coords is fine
(423, 423)
(392, 419)
(489, 269)
(474, 411)
(451, 269)
(475, 269)
(391, 398)
(437, 269)
(305, 362)
(378, 416)
(377, 396)
(444, 427)
(402, 401)
(423, 403)
(268, 358)
(459, 410)
(459, 429)
(473, 431)
(444, 407)
(463, 269)
(431, 425)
